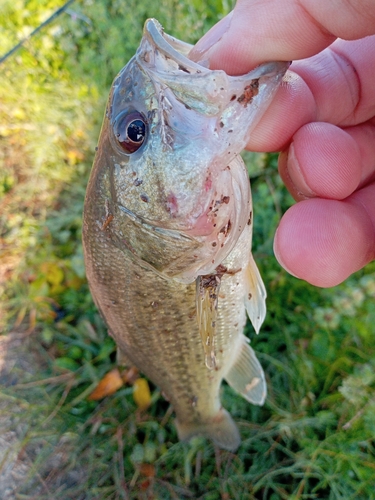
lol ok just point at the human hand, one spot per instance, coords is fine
(322, 119)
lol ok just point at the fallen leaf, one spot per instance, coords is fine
(141, 393)
(130, 375)
(145, 485)
(108, 385)
(147, 470)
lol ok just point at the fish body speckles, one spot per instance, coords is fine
(167, 231)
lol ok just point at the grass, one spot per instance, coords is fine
(314, 438)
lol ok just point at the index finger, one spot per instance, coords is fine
(264, 30)
(334, 86)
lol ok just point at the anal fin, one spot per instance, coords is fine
(247, 377)
(255, 298)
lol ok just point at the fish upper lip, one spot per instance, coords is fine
(170, 46)
(178, 51)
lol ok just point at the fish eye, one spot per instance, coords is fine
(130, 131)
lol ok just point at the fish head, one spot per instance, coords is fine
(172, 134)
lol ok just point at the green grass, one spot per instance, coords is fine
(314, 438)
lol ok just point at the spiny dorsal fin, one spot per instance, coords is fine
(247, 377)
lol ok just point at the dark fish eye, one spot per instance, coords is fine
(130, 131)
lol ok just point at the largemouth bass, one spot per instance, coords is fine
(168, 224)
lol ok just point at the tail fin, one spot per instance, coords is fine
(221, 429)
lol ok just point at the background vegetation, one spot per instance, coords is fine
(314, 438)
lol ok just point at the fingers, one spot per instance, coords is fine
(320, 240)
(292, 107)
(364, 136)
(324, 241)
(341, 79)
(259, 31)
(327, 162)
(334, 86)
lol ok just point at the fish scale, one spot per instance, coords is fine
(167, 229)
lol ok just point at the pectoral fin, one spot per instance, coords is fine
(255, 299)
(206, 299)
(247, 377)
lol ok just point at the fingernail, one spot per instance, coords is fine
(296, 175)
(213, 36)
(279, 259)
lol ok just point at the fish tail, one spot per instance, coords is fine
(221, 429)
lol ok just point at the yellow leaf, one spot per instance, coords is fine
(108, 385)
(141, 393)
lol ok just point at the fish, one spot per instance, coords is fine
(167, 229)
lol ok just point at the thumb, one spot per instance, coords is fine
(263, 30)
